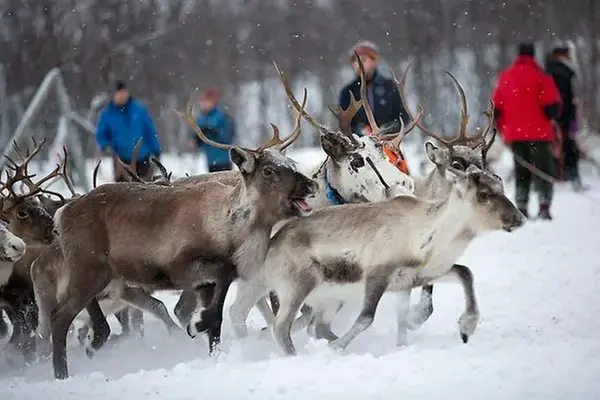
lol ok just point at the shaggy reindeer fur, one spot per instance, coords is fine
(319, 258)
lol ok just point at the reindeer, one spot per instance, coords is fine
(173, 238)
(459, 153)
(28, 219)
(336, 251)
(44, 276)
(355, 170)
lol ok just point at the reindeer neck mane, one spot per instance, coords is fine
(442, 220)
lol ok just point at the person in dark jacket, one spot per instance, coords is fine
(122, 123)
(560, 66)
(526, 103)
(218, 126)
(382, 96)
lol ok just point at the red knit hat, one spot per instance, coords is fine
(365, 48)
(212, 93)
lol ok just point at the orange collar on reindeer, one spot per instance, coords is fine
(394, 156)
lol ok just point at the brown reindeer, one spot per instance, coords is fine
(44, 274)
(161, 237)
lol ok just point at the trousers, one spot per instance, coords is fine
(538, 154)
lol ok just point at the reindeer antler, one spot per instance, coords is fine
(131, 168)
(21, 174)
(300, 109)
(462, 137)
(345, 116)
(393, 140)
(274, 141)
(95, 174)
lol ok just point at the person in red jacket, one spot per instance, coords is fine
(527, 102)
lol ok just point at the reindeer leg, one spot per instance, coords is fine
(320, 325)
(375, 288)
(4, 327)
(68, 306)
(420, 313)
(402, 310)
(93, 339)
(142, 300)
(136, 319)
(123, 318)
(211, 318)
(290, 303)
(185, 307)
(23, 338)
(45, 298)
(470, 317)
(248, 294)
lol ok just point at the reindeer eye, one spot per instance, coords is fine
(458, 164)
(483, 196)
(357, 162)
(268, 172)
(21, 214)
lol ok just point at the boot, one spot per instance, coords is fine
(545, 212)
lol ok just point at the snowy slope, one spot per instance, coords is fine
(538, 337)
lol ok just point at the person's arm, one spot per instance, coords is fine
(103, 134)
(549, 97)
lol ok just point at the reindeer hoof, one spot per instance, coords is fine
(191, 331)
(464, 338)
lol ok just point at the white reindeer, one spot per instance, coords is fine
(337, 251)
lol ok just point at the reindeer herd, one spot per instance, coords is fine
(355, 227)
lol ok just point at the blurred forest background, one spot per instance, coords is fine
(167, 48)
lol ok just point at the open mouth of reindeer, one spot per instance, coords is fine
(301, 205)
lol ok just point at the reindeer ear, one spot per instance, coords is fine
(245, 160)
(333, 146)
(435, 154)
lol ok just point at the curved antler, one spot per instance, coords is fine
(394, 140)
(364, 98)
(462, 137)
(276, 141)
(95, 174)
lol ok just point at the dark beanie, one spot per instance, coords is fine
(526, 49)
(120, 85)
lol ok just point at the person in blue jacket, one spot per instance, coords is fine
(122, 123)
(217, 125)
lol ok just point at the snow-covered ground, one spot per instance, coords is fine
(539, 337)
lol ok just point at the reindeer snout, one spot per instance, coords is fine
(514, 220)
(16, 248)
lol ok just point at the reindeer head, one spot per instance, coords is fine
(463, 150)
(12, 247)
(359, 169)
(266, 171)
(25, 215)
(484, 192)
